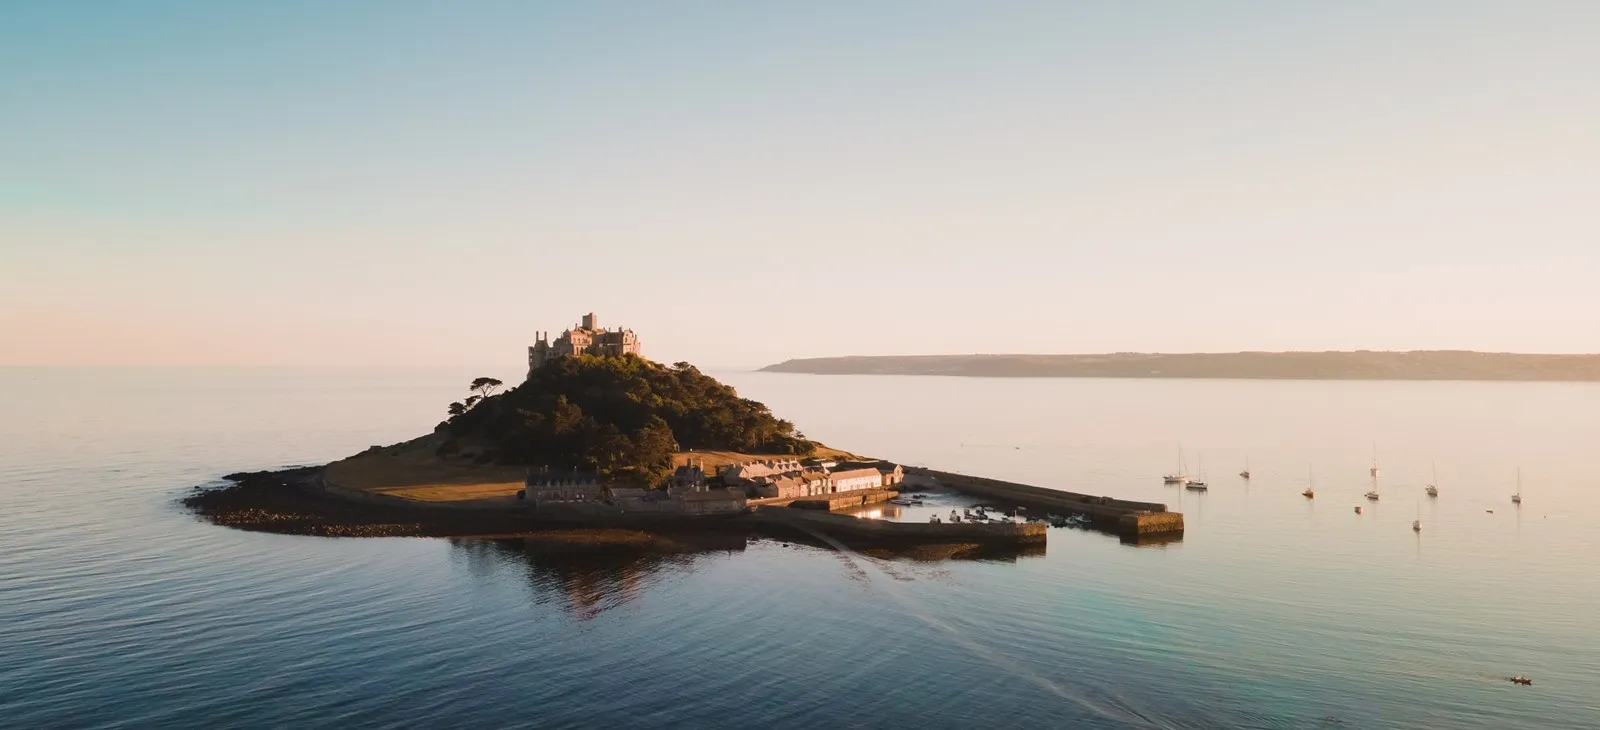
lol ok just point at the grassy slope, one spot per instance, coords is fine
(411, 470)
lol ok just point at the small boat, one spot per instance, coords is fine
(1517, 498)
(901, 502)
(1416, 524)
(1372, 496)
(1246, 473)
(1198, 485)
(1311, 484)
(1374, 470)
(1358, 509)
(1181, 476)
(1432, 490)
(1519, 679)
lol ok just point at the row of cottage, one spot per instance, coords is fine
(691, 491)
(795, 478)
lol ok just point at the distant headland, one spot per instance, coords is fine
(1357, 365)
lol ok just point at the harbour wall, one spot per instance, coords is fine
(1132, 519)
(844, 500)
(846, 526)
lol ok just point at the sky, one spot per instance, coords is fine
(430, 183)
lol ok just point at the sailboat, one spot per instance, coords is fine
(1416, 524)
(1246, 473)
(1198, 485)
(1181, 476)
(1433, 491)
(1372, 495)
(1517, 498)
(1311, 484)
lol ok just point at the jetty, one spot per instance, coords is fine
(1131, 520)
(885, 531)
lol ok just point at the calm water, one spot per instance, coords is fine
(119, 610)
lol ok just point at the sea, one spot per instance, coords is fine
(120, 610)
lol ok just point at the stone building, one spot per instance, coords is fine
(783, 488)
(688, 475)
(849, 480)
(890, 472)
(587, 338)
(544, 486)
(755, 471)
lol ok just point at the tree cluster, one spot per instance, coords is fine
(620, 416)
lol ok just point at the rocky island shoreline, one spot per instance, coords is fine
(602, 447)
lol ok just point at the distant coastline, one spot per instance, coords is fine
(1356, 365)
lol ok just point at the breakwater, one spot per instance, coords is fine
(1131, 519)
(846, 526)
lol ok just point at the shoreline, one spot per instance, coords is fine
(302, 501)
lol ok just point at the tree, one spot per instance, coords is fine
(457, 408)
(485, 387)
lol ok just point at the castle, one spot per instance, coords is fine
(587, 338)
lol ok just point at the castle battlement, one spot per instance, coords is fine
(587, 338)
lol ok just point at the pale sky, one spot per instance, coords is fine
(744, 182)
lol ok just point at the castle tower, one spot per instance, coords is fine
(590, 322)
(539, 352)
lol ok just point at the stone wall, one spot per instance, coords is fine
(883, 530)
(844, 500)
(1144, 518)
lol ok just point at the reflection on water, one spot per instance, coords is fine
(591, 576)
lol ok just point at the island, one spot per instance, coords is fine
(599, 445)
(1357, 365)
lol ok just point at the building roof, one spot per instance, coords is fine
(880, 464)
(856, 473)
